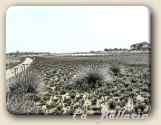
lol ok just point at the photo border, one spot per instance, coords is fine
(7, 118)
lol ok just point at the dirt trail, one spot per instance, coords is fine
(19, 68)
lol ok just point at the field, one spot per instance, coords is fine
(12, 61)
(82, 85)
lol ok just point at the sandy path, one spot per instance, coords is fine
(19, 68)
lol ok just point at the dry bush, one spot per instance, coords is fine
(115, 69)
(89, 80)
(23, 94)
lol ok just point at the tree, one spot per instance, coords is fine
(106, 49)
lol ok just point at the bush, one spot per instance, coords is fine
(93, 78)
(89, 81)
(23, 93)
(115, 70)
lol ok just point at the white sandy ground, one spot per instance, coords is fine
(25, 64)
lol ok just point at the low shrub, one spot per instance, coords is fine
(23, 93)
(115, 70)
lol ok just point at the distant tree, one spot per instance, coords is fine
(106, 49)
(92, 51)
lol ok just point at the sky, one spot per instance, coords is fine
(63, 29)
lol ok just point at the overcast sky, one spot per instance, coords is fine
(75, 28)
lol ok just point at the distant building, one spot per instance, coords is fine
(141, 46)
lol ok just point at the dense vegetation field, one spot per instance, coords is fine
(83, 85)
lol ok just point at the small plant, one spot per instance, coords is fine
(112, 105)
(115, 70)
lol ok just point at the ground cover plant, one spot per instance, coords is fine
(82, 86)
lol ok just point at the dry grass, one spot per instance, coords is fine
(67, 91)
(23, 94)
